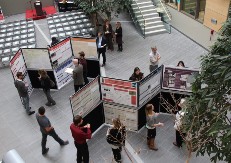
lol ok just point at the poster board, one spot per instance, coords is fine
(119, 91)
(87, 45)
(128, 115)
(150, 86)
(61, 77)
(86, 99)
(60, 52)
(17, 64)
(178, 79)
(37, 58)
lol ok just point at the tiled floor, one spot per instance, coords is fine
(21, 132)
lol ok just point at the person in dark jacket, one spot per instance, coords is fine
(77, 75)
(119, 34)
(22, 88)
(54, 41)
(45, 83)
(137, 75)
(83, 62)
(116, 138)
(107, 29)
(101, 44)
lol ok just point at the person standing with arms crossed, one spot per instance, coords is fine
(22, 88)
(80, 135)
(154, 57)
(101, 44)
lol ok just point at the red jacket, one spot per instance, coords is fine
(79, 134)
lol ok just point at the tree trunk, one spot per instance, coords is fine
(189, 147)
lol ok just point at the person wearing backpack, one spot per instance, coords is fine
(116, 138)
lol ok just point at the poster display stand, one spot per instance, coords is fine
(86, 99)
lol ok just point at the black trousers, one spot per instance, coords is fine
(120, 47)
(82, 153)
(179, 139)
(85, 78)
(53, 134)
(117, 154)
(103, 54)
(151, 133)
(77, 87)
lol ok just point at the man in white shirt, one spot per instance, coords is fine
(154, 57)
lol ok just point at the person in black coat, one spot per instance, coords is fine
(119, 34)
(116, 138)
(137, 75)
(108, 33)
(101, 44)
(54, 41)
(83, 62)
(46, 85)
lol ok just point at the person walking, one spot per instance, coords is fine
(108, 33)
(101, 47)
(154, 58)
(22, 88)
(46, 85)
(116, 138)
(80, 135)
(178, 124)
(47, 129)
(119, 34)
(83, 62)
(151, 126)
(77, 75)
(137, 75)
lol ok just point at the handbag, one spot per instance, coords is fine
(52, 84)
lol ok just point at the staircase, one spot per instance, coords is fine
(147, 17)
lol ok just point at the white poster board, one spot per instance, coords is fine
(17, 64)
(88, 46)
(119, 91)
(62, 78)
(86, 99)
(37, 58)
(60, 52)
(127, 115)
(150, 86)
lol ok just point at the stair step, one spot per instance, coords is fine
(149, 10)
(142, 3)
(155, 32)
(153, 18)
(142, 7)
(154, 27)
(146, 15)
(154, 23)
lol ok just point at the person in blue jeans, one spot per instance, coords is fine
(47, 129)
(22, 88)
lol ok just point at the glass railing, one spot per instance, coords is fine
(164, 14)
(137, 18)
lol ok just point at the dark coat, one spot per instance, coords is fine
(103, 42)
(135, 77)
(119, 35)
(117, 136)
(109, 30)
(84, 63)
(45, 83)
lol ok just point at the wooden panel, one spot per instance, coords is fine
(218, 11)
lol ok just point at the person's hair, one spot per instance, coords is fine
(100, 33)
(19, 74)
(118, 23)
(53, 39)
(136, 69)
(77, 119)
(155, 48)
(148, 109)
(117, 124)
(181, 62)
(42, 73)
(82, 54)
(41, 110)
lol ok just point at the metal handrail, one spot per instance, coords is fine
(165, 10)
(142, 17)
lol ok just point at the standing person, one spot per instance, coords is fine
(80, 134)
(137, 75)
(83, 62)
(45, 83)
(154, 58)
(54, 41)
(180, 64)
(211, 34)
(116, 138)
(151, 125)
(23, 92)
(77, 75)
(47, 129)
(107, 29)
(178, 124)
(101, 47)
(119, 34)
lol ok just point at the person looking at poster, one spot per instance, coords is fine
(80, 135)
(137, 75)
(180, 64)
(154, 58)
(77, 75)
(151, 124)
(22, 88)
(83, 62)
(46, 84)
